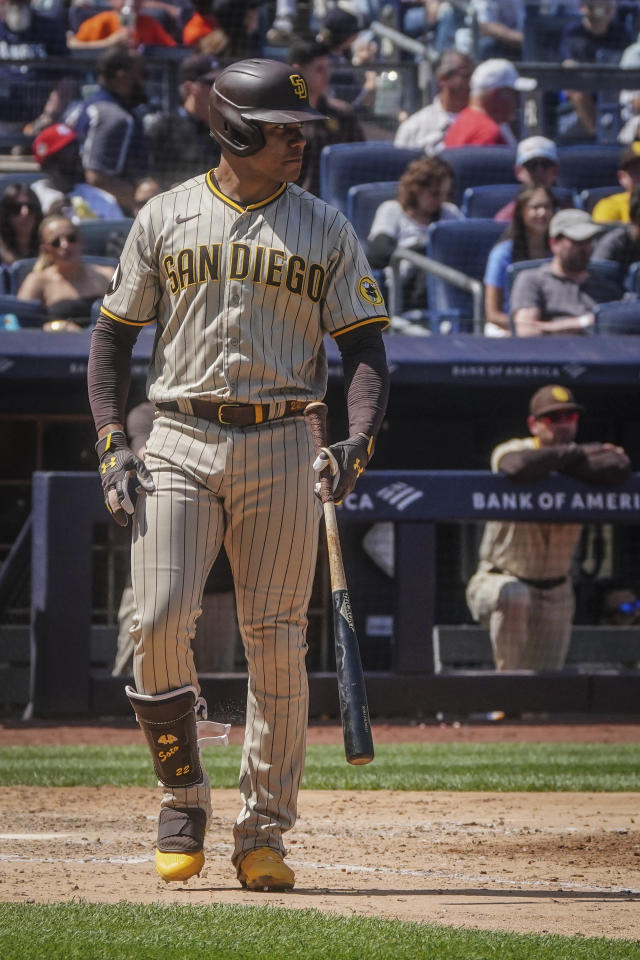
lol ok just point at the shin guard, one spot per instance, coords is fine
(168, 721)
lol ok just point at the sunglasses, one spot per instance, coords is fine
(545, 164)
(15, 208)
(560, 416)
(629, 607)
(57, 241)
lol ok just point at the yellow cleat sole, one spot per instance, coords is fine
(179, 866)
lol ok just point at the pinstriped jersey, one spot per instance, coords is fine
(241, 296)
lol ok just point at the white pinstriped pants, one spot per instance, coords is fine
(530, 628)
(253, 489)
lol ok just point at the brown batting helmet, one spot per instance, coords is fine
(250, 91)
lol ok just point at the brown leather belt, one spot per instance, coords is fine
(539, 584)
(238, 414)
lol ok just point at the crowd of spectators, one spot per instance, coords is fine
(104, 147)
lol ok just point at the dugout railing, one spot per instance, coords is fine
(68, 506)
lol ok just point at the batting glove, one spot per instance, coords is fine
(347, 461)
(123, 476)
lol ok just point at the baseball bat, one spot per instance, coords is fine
(354, 711)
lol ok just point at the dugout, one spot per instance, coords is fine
(452, 399)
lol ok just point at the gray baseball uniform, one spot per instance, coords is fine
(241, 298)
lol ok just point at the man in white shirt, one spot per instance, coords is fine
(426, 128)
(63, 188)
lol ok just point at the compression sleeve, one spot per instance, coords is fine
(109, 371)
(366, 378)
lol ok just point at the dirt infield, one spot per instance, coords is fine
(560, 863)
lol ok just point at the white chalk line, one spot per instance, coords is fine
(507, 885)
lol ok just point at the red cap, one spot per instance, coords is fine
(52, 139)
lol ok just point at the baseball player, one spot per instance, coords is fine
(242, 273)
(522, 589)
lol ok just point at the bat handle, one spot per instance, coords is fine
(316, 414)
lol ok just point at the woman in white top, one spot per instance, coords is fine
(423, 198)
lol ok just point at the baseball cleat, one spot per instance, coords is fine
(179, 866)
(179, 850)
(264, 869)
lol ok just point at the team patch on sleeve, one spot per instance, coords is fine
(368, 290)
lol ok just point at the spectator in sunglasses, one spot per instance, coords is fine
(522, 590)
(620, 607)
(536, 166)
(20, 217)
(558, 297)
(61, 279)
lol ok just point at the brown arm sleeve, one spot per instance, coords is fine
(601, 464)
(109, 371)
(528, 465)
(366, 378)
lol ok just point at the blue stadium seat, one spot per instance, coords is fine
(30, 313)
(342, 165)
(588, 165)
(19, 176)
(17, 271)
(620, 316)
(78, 14)
(589, 198)
(463, 245)
(632, 280)
(475, 166)
(364, 199)
(485, 201)
(542, 32)
(97, 233)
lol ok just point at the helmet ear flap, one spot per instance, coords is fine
(241, 137)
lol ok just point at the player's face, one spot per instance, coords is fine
(281, 157)
(559, 426)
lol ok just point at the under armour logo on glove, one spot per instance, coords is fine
(123, 476)
(347, 461)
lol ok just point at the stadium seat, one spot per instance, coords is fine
(632, 280)
(19, 176)
(342, 165)
(587, 165)
(97, 234)
(17, 271)
(485, 201)
(78, 14)
(463, 245)
(542, 32)
(364, 199)
(589, 198)
(618, 317)
(30, 313)
(476, 166)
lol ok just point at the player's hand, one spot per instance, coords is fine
(347, 461)
(123, 475)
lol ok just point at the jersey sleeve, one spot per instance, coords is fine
(352, 297)
(134, 290)
(510, 446)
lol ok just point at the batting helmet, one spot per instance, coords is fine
(256, 90)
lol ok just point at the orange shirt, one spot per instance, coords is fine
(198, 27)
(147, 30)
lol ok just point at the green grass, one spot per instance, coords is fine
(489, 767)
(80, 931)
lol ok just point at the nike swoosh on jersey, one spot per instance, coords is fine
(180, 219)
